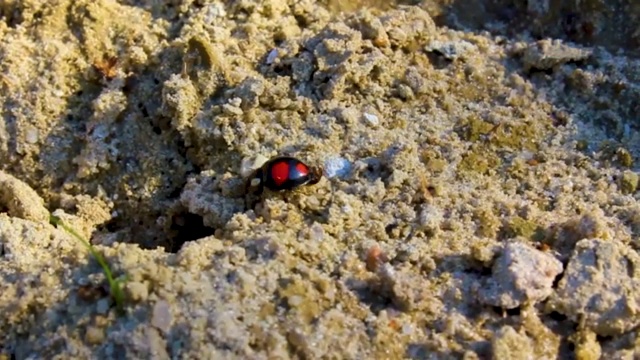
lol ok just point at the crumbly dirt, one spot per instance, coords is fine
(481, 197)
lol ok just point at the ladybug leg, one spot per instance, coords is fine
(252, 199)
(251, 204)
(316, 175)
(253, 189)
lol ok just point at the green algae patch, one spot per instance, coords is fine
(433, 161)
(480, 159)
(517, 226)
(522, 135)
(612, 151)
(488, 224)
(302, 298)
(492, 140)
(629, 182)
(473, 128)
(518, 169)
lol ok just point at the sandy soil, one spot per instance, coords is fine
(480, 198)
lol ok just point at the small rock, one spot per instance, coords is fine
(371, 119)
(451, 50)
(520, 274)
(103, 306)
(414, 79)
(316, 232)
(249, 164)
(31, 135)
(272, 56)
(295, 301)
(337, 167)
(430, 218)
(600, 287)
(213, 12)
(405, 92)
(161, 318)
(94, 335)
(229, 109)
(545, 54)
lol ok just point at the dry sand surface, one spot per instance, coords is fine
(479, 199)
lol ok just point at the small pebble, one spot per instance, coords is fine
(430, 218)
(103, 306)
(273, 55)
(545, 54)
(32, 135)
(317, 232)
(229, 109)
(214, 11)
(520, 274)
(295, 300)
(162, 318)
(451, 50)
(371, 119)
(249, 164)
(236, 101)
(407, 329)
(94, 335)
(600, 288)
(337, 167)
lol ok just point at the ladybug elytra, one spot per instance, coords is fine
(283, 173)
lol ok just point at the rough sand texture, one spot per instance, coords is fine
(480, 199)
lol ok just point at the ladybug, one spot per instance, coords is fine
(283, 173)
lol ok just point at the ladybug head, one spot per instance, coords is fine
(315, 175)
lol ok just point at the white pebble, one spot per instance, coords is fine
(452, 49)
(249, 164)
(337, 166)
(213, 12)
(295, 300)
(371, 119)
(32, 135)
(430, 218)
(162, 318)
(317, 232)
(273, 55)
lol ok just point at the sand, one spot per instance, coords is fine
(479, 199)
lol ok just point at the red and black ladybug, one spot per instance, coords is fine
(282, 173)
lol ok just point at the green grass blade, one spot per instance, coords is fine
(115, 285)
